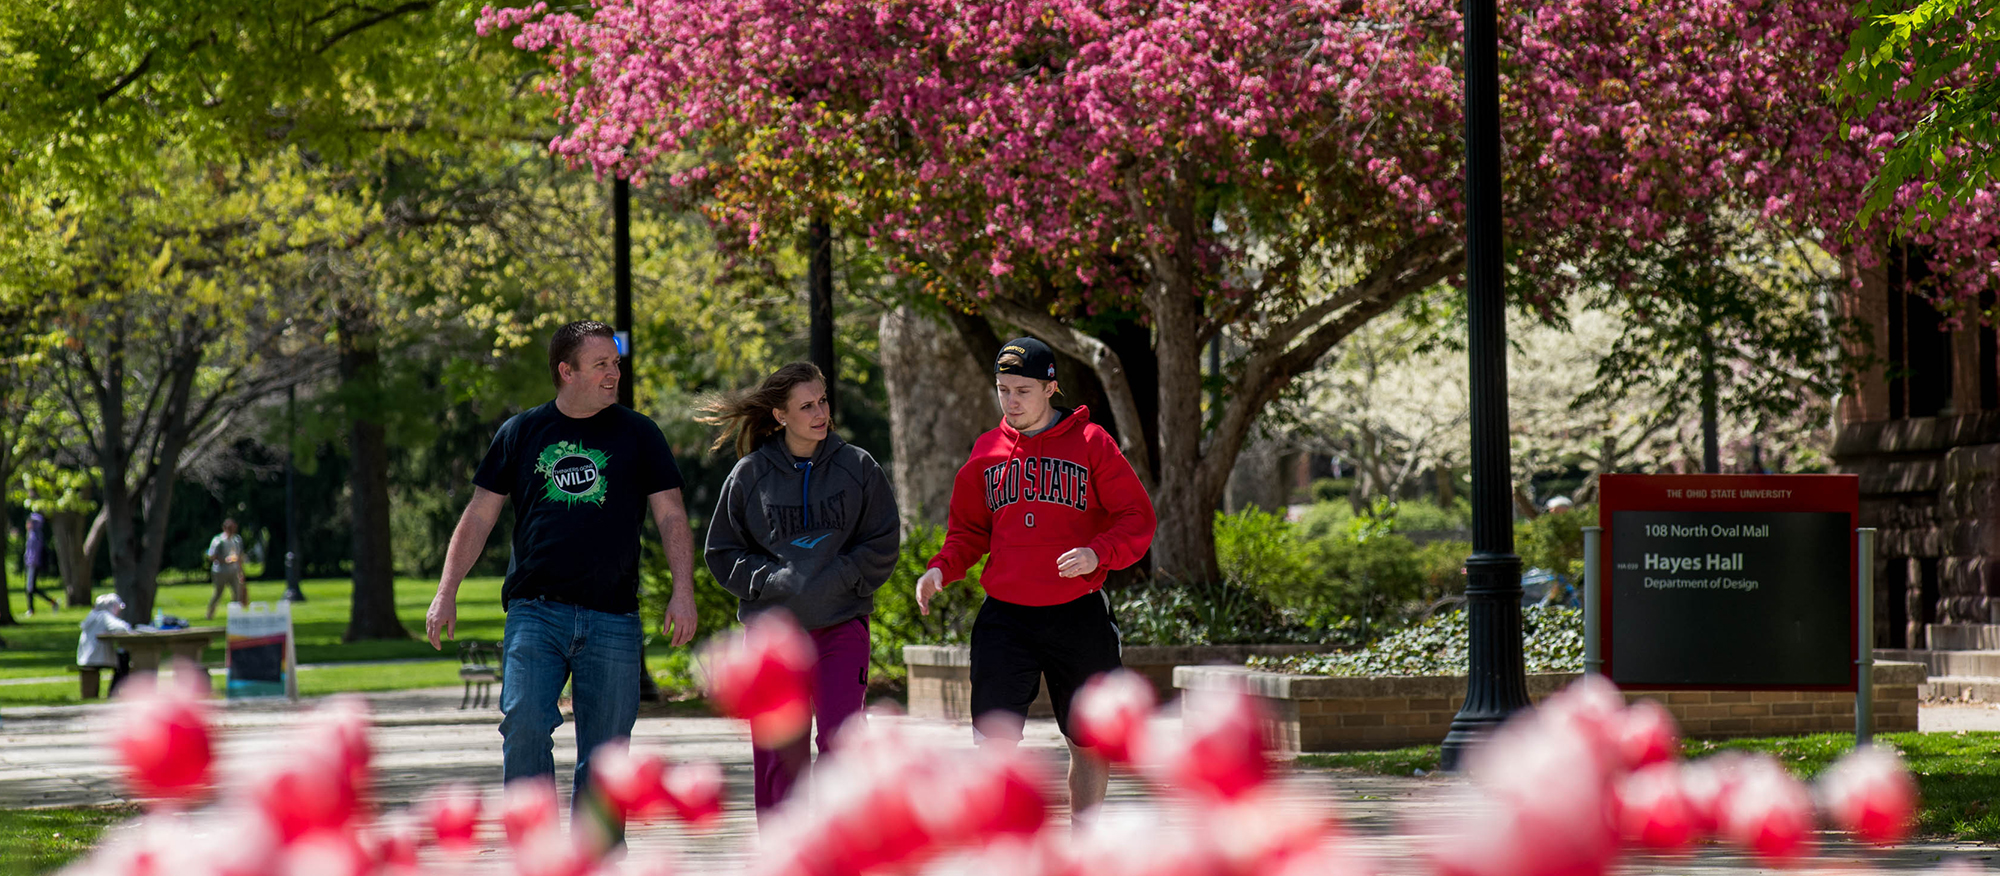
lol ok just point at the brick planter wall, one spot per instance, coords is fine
(941, 675)
(1321, 713)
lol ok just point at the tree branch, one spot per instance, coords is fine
(1273, 362)
(366, 23)
(1104, 362)
(130, 77)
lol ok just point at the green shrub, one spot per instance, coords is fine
(1261, 552)
(715, 611)
(1442, 566)
(1161, 612)
(1551, 641)
(1331, 489)
(1555, 541)
(1429, 517)
(1323, 519)
(897, 622)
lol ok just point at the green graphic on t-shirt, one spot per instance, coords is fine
(572, 473)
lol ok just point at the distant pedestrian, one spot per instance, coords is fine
(225, 557)
(32, 558)
(583, 472)
(806, 523)
(94, 652)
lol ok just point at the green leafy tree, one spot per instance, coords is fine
(1944, 57)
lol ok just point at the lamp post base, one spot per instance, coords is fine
(1496, 681)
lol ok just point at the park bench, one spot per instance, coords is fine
(88, 678)
(476, 665)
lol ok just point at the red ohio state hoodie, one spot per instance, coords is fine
(1027, 500)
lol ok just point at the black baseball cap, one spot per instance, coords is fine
(1037, 360)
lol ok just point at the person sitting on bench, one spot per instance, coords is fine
(94, 653)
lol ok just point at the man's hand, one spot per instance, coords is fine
(678, 625)
(930, 584)
(1077, 563)
(443, 617)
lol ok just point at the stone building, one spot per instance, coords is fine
(1923, 432)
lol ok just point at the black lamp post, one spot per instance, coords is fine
(621, 278)
(1496, 682)
(292, 559)
(819, 301)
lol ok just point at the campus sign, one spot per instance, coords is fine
(1729, 581)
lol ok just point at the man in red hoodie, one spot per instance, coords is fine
(1050, 498)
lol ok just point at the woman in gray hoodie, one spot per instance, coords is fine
(806, 523)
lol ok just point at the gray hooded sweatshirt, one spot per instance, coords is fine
(814, 538)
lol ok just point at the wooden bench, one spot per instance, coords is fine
(476, 665)
(88, 678)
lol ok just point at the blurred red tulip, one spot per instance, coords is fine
(1647, 735)
(324, 853)
(340, 725)
(1768, 812)
(526, 805)
(1594, 710)
(630, 782)
(694, 790)
(164, 738)
(393, 842)
(453, 816)
(764, 676)
(1870, 793)
(312, 792)
(543, 851)
(1653, 810)
(1220, 752)
(1705, 784)
(1110, 713)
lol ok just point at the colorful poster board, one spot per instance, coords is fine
(260, 655)
(1717, 582)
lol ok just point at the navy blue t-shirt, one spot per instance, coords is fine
(579, 488)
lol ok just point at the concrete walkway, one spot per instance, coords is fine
(53, 757)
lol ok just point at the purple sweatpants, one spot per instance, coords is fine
(840, 683)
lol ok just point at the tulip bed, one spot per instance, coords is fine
(1957, 774)
(1569, 789)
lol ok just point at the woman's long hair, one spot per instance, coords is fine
(745, 417)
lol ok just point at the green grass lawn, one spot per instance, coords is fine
(1958, 774)
(34, 841)
(44, 646)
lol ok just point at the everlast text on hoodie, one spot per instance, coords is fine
(814, 538)
(1026, 500)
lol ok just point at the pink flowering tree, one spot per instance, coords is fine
(1277, 172)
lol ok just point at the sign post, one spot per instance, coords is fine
(1864, 641)
(1593, 551)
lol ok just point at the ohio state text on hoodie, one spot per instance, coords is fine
(1027, 500)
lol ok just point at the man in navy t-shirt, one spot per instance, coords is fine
(582, 473)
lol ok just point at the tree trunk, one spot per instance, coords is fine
(372, 608)
(1257, 479)
(120, 530)
(6, 589)
(939, 403)
(1187, 494)
(66, 530)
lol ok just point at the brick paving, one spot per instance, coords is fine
(51, 757)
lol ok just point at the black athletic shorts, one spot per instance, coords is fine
(1015, 646)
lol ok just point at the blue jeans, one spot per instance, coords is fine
(545, 644)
